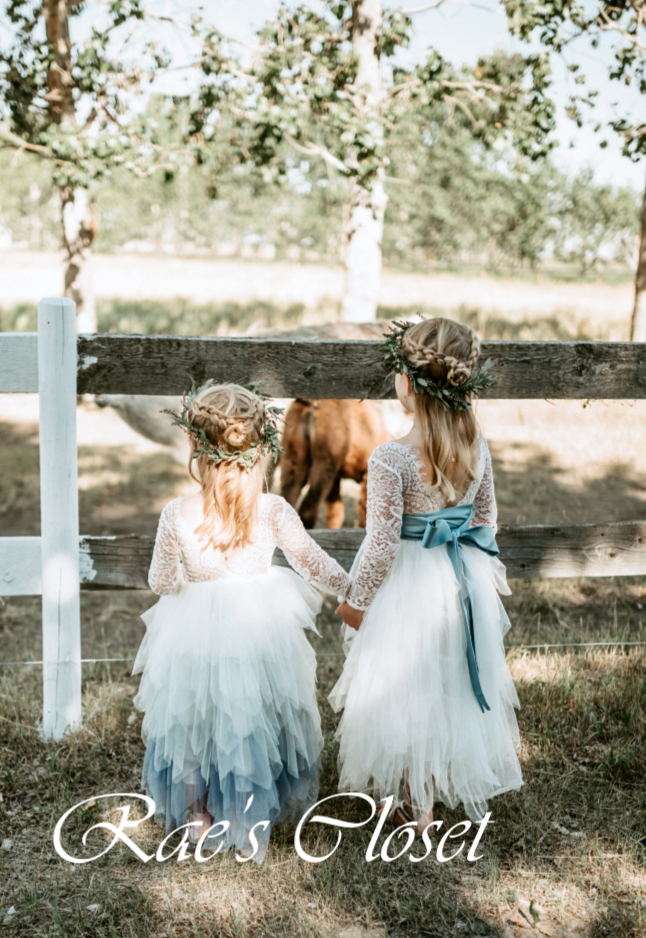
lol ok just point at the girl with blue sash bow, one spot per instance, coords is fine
(427, 696)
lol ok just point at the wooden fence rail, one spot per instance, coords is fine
(532, 550)
(324, 368)
(60, 562)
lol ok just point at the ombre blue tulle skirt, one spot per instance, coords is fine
(229, 697)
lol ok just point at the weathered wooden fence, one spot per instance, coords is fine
(58, 364)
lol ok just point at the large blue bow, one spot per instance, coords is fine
(450, 526)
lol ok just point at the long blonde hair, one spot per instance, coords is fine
(232, 419)
(448, 351)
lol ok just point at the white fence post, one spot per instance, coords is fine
(59, 517)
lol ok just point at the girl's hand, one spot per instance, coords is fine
(351, 617)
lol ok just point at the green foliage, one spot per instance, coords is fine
(301, 90)
(451, 202)
(43, 83)
(557, 23)
(461, 199)
(593, 218)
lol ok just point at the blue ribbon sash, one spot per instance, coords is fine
(450, 526)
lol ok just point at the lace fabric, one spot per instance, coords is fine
(178, 556)
(397, 486)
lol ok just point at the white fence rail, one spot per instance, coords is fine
(49, 565)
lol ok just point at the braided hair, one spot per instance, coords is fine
(448, 349)
(232, 417)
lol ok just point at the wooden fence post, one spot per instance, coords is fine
(59, 517)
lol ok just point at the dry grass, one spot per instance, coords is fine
(568, 848)
(571, 842)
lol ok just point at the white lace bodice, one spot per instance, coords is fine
(178, 556)
(397, 486)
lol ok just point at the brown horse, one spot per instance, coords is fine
(326, 441)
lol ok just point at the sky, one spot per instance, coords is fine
(461, 30)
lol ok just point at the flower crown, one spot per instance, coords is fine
(460, 385)
(269, 439)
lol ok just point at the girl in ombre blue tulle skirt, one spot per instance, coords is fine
(228, 682)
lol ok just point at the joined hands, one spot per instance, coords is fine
(352, 617)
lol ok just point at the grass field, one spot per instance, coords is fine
(564, 857)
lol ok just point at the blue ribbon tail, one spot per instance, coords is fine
(474, 671)
(450, 526)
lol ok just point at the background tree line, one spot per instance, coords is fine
(451, 202)
(319, 140)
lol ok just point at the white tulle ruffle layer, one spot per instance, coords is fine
(410, 713)
(228, 692)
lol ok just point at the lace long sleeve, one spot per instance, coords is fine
(307, 558)
(485, 510)
(383, 530)
(165, 575)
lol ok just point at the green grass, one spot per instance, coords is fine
(180, 316)
(177, 316)
(583, 727)
(493, 325)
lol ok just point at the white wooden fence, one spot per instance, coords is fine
(57, 364)
(49, 564)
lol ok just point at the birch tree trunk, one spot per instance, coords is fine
(638, 322)
(77, 223)
(78, 234)
(368, 205)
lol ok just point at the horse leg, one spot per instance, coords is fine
(363, 501)
(296, 461)
(334, 511)
(322, 476)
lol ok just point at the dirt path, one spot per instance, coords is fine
(29, 276)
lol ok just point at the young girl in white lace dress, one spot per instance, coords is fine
(429, 701)
(228, 684)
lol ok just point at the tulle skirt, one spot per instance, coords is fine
(228, 692)
(411, 717)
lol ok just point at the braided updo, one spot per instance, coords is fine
(232, 418)
(448, 351)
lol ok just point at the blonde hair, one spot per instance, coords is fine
(232, 419)
(448, 351)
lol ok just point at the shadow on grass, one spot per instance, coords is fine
(121, 491)
(582, 725)
(570, 843)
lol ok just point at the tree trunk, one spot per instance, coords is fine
(366, 225)
(59, 97)
(77, 221)
(638, 322)
(363, 253)
(78, 234)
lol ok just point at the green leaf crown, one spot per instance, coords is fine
(269, 439)
(450, 396)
